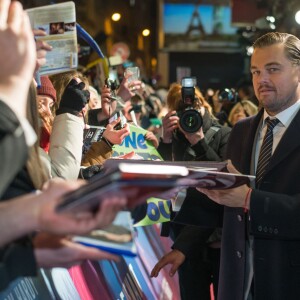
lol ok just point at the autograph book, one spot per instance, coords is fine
(58, 21)
(139, 180)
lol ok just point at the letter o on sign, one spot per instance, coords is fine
(153, 212)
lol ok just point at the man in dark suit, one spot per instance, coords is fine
(260, 256)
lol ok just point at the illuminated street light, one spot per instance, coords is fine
(116, 17)
(146, 32)
(297, 17)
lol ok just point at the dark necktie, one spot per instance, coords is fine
(266, 150)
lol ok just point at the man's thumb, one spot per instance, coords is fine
(231, 168)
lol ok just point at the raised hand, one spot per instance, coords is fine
(42, 48)
(116, 137)
(74, 98)
(169, 124)
(108, 104)
(18, 55)
(150, 136)
(127, 89)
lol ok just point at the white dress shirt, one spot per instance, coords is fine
(285, 117)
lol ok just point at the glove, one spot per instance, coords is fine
(73, 99)
(89, 172)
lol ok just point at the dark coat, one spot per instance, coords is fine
(16, 259)
(13, 149)
(275, 219)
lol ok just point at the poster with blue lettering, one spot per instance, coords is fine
(158, 211)
(136, 142)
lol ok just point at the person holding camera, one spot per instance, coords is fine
(222, 102)
(113, 97)
(190, 132)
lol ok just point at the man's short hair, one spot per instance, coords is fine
(291, 44)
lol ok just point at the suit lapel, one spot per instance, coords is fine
(249, 142)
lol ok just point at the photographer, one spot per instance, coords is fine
(196, 251)
(223, 101)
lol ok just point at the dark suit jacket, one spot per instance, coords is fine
(275, 219)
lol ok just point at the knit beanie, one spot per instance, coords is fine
(47, 88)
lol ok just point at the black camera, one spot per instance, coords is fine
(228, 94)
(190, 119)
(112, 84)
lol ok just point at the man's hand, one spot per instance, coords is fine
(169, 124)
(60, 251)
(18, 55)
(229, 197)
(176, 258)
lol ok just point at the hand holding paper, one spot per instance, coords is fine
(229, 197)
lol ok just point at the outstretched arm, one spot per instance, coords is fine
(175, 258)
(37, 212)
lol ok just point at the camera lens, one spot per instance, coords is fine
(190, 120)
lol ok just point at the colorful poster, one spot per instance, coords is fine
(158, 211)
(136, 142)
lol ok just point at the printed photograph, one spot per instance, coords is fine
(57, 28)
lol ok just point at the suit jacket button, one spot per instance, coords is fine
(239, 254)
(240, 218)
(259, 228)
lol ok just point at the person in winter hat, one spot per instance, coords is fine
(46, 99)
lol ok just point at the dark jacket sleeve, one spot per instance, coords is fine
(13, 149)
(93, 118)
(165, 150)
(191, 239)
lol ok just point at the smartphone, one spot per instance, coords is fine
(132, 74)
(122, 122)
